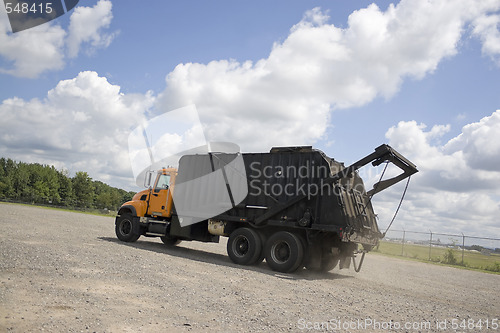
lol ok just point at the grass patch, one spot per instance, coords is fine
(90, 211)
(441, 255)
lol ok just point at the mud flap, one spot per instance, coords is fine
(136, 225)
(345, 262)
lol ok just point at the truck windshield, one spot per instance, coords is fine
(163, 182)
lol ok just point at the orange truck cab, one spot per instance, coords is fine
(152, 207)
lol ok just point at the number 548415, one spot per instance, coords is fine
(25, 8)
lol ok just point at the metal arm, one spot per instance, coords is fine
(383, 153)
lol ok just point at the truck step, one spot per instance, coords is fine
(154, 234)
(158, 221)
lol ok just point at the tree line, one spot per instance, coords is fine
(44, 184)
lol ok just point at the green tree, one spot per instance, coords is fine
(39, 183)
(83, 189)
(21, 182)
(65, 189)
(126, 196)
(51, 178)
(40, 192)
(6, 188)
(107, 196)
(43, 183)
(476, 247)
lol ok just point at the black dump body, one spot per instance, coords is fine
(292, 187)
(283, 175)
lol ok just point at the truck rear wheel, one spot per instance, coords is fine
(328, 262)
(124, 228)
(320, 260)
(244, 246)
(170, 240)
(284, 252)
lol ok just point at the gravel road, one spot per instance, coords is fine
(67, 272)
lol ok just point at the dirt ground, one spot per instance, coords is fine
(67, 272)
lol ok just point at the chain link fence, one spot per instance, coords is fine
(452, 249)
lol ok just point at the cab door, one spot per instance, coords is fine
(160, 195)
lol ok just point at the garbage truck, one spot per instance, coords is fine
(295, 207)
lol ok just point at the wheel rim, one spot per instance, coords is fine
(280, 252)
(125, 227)
(240, 246)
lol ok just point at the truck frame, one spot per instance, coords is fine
(317, 229)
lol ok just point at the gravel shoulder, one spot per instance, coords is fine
(67, 272)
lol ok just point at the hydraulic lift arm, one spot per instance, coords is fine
(383, 153)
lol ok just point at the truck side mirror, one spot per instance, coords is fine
(147, 179)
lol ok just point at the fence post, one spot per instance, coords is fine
(463, 247)
(403, 244)
(430, 246)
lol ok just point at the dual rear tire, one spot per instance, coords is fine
(244, 246)
(284, 251)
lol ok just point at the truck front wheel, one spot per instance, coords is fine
(244, 246)
(124, 228)
(284, 252)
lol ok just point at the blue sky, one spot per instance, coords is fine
(343, 76)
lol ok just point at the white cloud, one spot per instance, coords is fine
(43, 48)
(486, 28)
(459, 182)
(83, 123)
(86, 26)
(32, 51)
(480, 143)
(287, 98)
